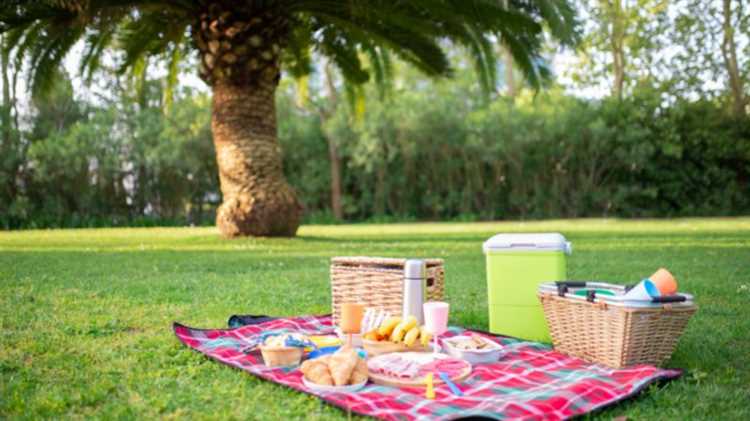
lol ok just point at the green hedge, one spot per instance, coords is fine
(426, 153)
(430, 155)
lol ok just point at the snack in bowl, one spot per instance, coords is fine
(471, 342)
(473, 348)
(396, 335)
(343, 369)
(284, 349)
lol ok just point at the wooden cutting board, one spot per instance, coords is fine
(385, 380)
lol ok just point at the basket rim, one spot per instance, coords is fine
(664, 307)
(384, 261)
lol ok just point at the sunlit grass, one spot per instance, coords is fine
(86, 314)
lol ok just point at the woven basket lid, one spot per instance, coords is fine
(379, 261)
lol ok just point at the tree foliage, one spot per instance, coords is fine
(671, 145)
(44, 31)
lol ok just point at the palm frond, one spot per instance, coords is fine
(47, 52)
(381, 68)
(414, 31)
(344, 54)
(147, 34)
(483, 56)
(296, 56)
(94, 45)
(44, 31)
(173, 70)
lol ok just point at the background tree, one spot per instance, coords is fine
(325, 103)
(11, 150)
(241, 46)
(619, 43)
(712, 51)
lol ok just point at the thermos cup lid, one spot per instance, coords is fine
(415, 268)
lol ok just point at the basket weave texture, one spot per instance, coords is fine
(377, 282)
(615, 336)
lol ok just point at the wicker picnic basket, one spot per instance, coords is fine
(377, 282)
(614, 335)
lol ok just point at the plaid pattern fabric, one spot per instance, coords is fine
(530, 382)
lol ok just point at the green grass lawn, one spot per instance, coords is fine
(86, 314)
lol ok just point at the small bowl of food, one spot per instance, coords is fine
(281, 356)
(475, 349)
(284, 350)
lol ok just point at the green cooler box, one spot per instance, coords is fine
(516, 265)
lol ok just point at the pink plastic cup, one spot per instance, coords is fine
(436, 318)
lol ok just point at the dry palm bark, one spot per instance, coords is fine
(239, 52)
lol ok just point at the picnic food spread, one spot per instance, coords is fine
(529, 297)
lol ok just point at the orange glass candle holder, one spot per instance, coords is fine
(351, 317)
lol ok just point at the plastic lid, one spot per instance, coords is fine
(552, 241)
(415, 269)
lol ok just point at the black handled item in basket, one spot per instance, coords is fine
(562, 286)
(669, 299)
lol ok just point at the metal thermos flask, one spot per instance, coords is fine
(415, 289)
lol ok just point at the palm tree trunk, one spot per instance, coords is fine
(257, 200)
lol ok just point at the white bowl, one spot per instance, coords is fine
(490, 354)
(349, 388)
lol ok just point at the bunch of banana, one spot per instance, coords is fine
(399, 330)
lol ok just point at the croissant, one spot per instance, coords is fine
(317, 371)
(342, 364)
(360, 372)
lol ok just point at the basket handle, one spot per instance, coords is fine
(562, 286)
(591, 295)
(669, 299)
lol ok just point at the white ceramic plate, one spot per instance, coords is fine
(350, 388)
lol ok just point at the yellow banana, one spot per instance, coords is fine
(398, 333)
(411, 336)
(409, 323)
(387, 326)
(402, 328)
(425, 336)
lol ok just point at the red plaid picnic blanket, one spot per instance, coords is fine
(530, 382)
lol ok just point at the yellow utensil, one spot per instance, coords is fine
(429, 392)
(325, 340)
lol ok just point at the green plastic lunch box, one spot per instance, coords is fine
(516, 265)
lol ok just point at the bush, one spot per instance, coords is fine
(433, 155)
(428, 152)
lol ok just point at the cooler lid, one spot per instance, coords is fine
(551, 241)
